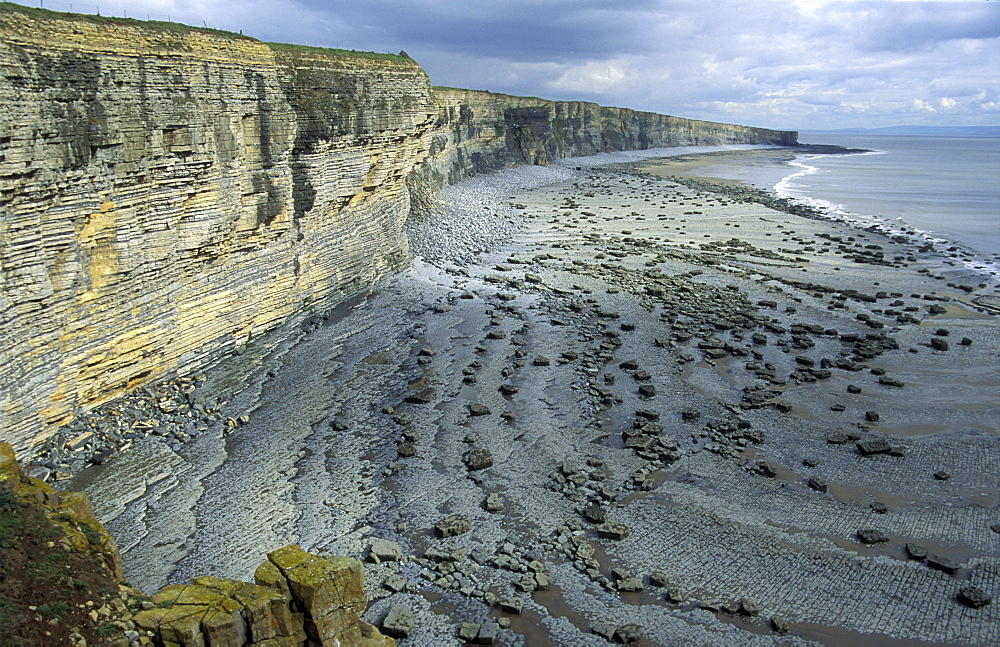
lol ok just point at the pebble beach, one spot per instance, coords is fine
(608, 402)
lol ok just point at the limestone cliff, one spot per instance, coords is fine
(481, 132)
(170, 193)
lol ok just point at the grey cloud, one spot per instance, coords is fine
(755, 61)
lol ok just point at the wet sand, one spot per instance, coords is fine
(743, 389)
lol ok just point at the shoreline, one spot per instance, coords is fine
(711, 311)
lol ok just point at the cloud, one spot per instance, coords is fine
(777, 63)
(593, 77)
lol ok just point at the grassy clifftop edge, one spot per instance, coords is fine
(181, 29)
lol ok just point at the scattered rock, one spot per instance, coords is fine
(488, 633)
(630, 585)
(478, 458)
(468, 631)
(399, 622)
(658, 578)
(816, 483)
(452, 525)
(749, 607)
(478, 409)
(395, 583)
(915, 551)
(872, 536)
(942, 475)
(689, 414)
(423, 396)
(507, 389)
(512, 605)
(974, 597)
(493, 503)
(939, 344)
(383, 550)
(874, 446)
(627, 634)
(613, 530)
(594, 513)
(944, 564)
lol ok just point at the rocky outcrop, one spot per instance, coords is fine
(482, 132)
(297, 598)
(80, 533)
(170, 194)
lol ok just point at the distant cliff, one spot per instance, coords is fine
(170, 193)
(481, 132)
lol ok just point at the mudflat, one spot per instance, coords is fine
(628, 404)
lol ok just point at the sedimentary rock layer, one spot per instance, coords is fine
(169, 193)
(168, 196)
(481, 132)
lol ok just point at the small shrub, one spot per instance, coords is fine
(93, 537)
(8, 500)
(54, 609)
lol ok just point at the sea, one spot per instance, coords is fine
(947, 189)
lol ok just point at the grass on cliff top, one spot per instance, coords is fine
(182, 29)
(340, 53)
(157, 25)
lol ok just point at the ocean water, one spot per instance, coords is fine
(947, 189)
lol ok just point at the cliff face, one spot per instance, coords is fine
(481, 132)
(169, 194)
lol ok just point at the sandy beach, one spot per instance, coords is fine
(651, 407)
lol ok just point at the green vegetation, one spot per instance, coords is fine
(8, 501)
(157, 25)
(92, 535)
(9, 613)
(341, 53)
(107, 630)
(54, 609)
(50, 568)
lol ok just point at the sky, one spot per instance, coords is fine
(785, 64)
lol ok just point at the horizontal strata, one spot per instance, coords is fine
(169, 193)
